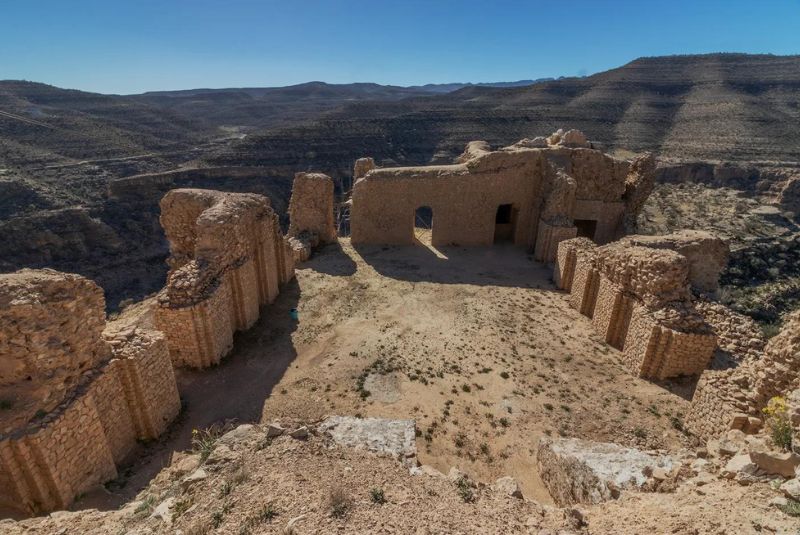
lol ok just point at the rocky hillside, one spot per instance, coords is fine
(718, 107)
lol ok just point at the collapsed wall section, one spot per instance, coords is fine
(640, 302)
(115, 392)
(228, 258)
(733, 398)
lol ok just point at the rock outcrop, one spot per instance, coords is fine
(576, 471)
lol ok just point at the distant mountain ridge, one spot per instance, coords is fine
(715, 107)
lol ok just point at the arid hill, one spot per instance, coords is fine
(719, 107)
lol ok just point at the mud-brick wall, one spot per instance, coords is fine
(198, 335)
(49, 466)
(654, 351)
(548, 238)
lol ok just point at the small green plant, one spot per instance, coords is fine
(216, 518)
(791, 508)
(459, 440)
(504, 375)
(466, 388)
(484, 448)
(548, 406)
(377, 496)
(640, 432)
(780, 427)
(465, 489)
(180, 507)
(203, 442)
(339, 502)
(225, 489)
(504, 421)
(146, 506)
(267, 513)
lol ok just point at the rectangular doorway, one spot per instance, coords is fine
(587, 228)
(505, 223)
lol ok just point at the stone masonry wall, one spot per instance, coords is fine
(724, 399)
(59, 452)
(231, 259)
(311, 207)
(640, 302)
(548, 183)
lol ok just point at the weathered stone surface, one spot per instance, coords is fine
(539, 187)
(791, 488)
(577, 471)
(311, 207)
(508, 485)
(782, 463)
(85, 397)
(274, 430)
(391, 437)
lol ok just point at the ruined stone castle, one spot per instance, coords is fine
(83, 394)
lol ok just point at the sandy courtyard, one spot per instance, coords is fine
(476, 345)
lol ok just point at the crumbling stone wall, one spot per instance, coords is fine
(640, 302)
(228, 257)
(311, 207)
(550, 185)
(726, 399)
(83, 399)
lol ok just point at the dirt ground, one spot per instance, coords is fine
(476, 345)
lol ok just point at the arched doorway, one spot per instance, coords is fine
(423, 224)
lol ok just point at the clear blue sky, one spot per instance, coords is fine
(116, 46)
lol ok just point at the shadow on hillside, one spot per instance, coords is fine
(331, 260)
(499, 265)
(232, 392)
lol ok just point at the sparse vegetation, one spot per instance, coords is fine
(778, 423)
(204, 441)
(377, 496)
(339, 502)
(464, 487)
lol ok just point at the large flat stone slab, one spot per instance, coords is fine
(388, 437)
(578, 471)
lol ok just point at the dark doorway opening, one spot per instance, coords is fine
(586, 228)
(423, 224)
(505, 223)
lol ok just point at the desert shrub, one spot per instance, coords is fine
(791, 508)
(377, 496)
(203, 442)
(778, 423)
(339, 502)
(465, 489)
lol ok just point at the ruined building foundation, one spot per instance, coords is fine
(637, 291)
(228, 257)
(535, 193)
(311, 219)
(81, 398)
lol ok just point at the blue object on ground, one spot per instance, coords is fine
(293, 314)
